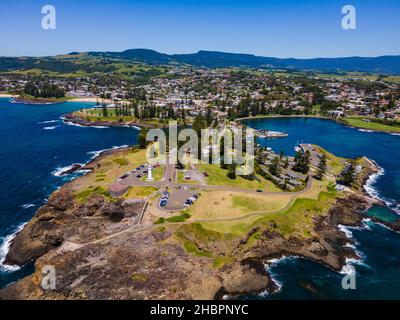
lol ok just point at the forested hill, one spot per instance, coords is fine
(209, 59)
(215, 59)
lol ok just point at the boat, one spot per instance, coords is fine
(297, 147)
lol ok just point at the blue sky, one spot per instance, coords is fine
(285, 28)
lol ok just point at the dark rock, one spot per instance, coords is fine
(73, 168)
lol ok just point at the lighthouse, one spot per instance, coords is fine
(149, 173)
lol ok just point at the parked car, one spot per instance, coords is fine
(163, 203)
(259, 190)
(126, 175)
(188, 203)
(139, 176)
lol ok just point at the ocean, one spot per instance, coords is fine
(37, 145)
(378, 248)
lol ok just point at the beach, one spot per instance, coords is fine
(90, 99)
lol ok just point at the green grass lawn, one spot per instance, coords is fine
(158, 174)
(84, 195)
(139, 192)
(316, 108)
(218, 177)
(395, 79)
(359, 123)
(97, 115)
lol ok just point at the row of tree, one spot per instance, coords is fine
(44, 90)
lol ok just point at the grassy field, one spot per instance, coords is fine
(111, 168)
(335, 164)
(234, 205)
(158, 174)
(226, 204)
(139, 192)
(218, 177)
(296, 219)
(395, 79)
(208, 239)
(316, 108)
(359, 122)
(94, 115)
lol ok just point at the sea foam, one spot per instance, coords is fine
(5, 247)
(373, 192)
(50, 128)
(27, 206)
(49, 121)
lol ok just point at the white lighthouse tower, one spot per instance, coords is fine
(149, 173)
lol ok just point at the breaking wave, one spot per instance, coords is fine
(50, 128)
(5, 247)
(373, 192)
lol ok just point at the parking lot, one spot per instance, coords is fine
(176, 199)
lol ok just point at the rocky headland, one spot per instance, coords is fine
(99, 251)
(82, 120)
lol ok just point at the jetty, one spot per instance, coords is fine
(270, 134)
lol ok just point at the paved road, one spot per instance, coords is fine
(233, 189)
(70, 246)
(169, 174)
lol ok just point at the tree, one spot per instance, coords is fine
(321, 168)
(209, 116)
(232, 171)
(199, 123)
(286, 165)
(104, 110)
(142, 138)
(274, 167)
(302, 162)
(348, 174)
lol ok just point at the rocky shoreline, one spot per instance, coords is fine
(82, 121)
(34, 101)
(151, 263)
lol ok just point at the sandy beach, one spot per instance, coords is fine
(6, 95)
(91, 99)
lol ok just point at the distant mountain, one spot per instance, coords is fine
(137, 55)
(215, 59)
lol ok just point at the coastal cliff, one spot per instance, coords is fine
(99, 252)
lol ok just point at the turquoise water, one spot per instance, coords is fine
(35, 144)
(377, 275)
